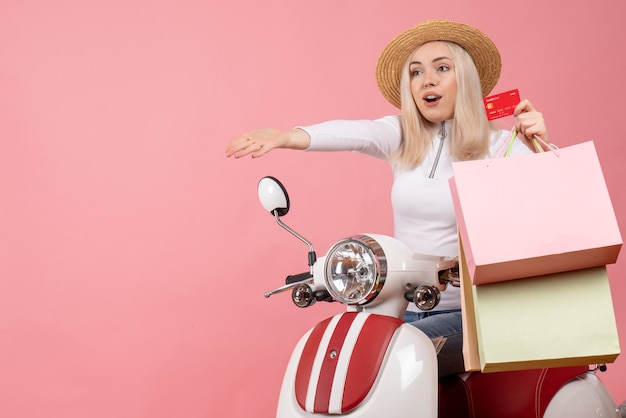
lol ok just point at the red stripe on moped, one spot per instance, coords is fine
(366, 349)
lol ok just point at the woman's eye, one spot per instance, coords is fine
(444, 68)
(415, 73)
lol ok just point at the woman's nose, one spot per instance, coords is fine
(429, 79)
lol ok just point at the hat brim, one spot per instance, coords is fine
(482, 50)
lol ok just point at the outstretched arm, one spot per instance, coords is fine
(379, 138)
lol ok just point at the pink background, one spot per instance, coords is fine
(134, 255)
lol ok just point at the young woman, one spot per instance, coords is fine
(437, 73)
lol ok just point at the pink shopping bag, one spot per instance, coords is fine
(535, 214)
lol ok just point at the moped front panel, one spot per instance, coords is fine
(404, 381)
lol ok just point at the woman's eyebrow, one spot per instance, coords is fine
(434, 60)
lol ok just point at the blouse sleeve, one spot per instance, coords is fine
(379, 138)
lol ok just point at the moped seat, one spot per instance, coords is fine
(514, 394)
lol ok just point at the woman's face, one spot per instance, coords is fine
(433, 81)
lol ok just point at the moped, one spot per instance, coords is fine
(367, 362)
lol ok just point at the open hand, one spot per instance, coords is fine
(260, 142)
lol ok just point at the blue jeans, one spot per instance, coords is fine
(446, 324)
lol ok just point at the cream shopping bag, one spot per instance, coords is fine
(555, 320)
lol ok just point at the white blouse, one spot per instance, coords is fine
(424, 217)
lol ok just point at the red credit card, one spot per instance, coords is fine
(501, 105)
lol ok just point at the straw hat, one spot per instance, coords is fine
(482, 50)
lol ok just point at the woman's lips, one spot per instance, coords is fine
(431, 99)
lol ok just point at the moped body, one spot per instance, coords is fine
(366, 362)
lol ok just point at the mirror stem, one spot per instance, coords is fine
(312, 256)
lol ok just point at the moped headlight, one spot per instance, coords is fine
(355, 270)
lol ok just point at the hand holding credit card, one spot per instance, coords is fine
(501, 105)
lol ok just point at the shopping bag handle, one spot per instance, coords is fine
(536, 141)
(505, 148)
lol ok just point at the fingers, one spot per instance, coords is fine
(529, 121)
(255, 144)
(523, 107)
(239, 147)
(242, 146)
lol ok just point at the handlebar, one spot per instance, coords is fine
(298, 278)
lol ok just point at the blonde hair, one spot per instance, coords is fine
(469, 136)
